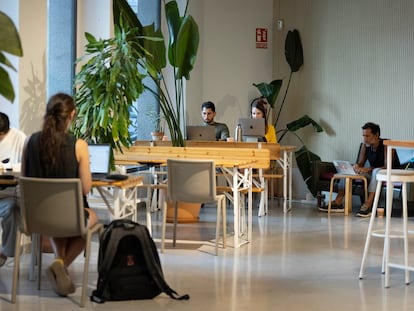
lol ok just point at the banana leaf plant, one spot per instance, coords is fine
(183, 35)
(9, 43)
(294, 57)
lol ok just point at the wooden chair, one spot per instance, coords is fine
(52, 207)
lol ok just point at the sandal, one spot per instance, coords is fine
(60, 279)
(3, 259)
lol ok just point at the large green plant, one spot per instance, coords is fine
(106, 87)
(9, 43)
(294, 57)
(182, 49)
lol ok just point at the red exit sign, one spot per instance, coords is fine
(261, 38)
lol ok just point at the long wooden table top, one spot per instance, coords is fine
(274, 148)
(228, 157)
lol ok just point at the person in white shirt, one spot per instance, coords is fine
(11, 148)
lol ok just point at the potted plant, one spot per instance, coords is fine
(106, 87)
(294, 57)
(158, 123)
(9, 43)
(182, 49)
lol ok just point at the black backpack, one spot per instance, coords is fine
(128, 265)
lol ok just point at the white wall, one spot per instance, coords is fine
(32, 67)
(228, 61)
(358, 67)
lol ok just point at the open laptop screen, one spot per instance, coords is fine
(99, 159)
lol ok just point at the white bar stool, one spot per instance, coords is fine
(397, 176)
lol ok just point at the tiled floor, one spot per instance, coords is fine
(304, 260)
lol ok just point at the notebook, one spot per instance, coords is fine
(99, 159)
(344, 167)
(252, 128)
(201, 132)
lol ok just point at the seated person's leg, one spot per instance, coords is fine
(336, 205)
(9, 212)
(365, 210)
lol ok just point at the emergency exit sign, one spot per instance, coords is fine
(261, 38)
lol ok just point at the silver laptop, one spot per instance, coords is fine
(99, 159)
(252, 129)
(201, 132)
(344, 167)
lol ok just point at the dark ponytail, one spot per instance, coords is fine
(54, 132)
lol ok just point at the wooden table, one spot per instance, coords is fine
(237, 163)
(348, 190)
(283, 155)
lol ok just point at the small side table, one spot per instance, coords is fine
(348, 190)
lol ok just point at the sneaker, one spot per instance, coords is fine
(364, 211)
(335, 208)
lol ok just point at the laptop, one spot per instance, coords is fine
(201, 132)
(344, 167)
(99, 159)
(405, 155)
(252, 129)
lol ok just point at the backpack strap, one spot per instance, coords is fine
(151, 256)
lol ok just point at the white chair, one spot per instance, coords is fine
(52, 207)
(401, 177)
(195, 182)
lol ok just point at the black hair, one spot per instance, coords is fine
(375, 128)
(4, 123)
(53, 134)
(208, 105)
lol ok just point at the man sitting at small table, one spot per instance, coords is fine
(11, 148)
(374, 151)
